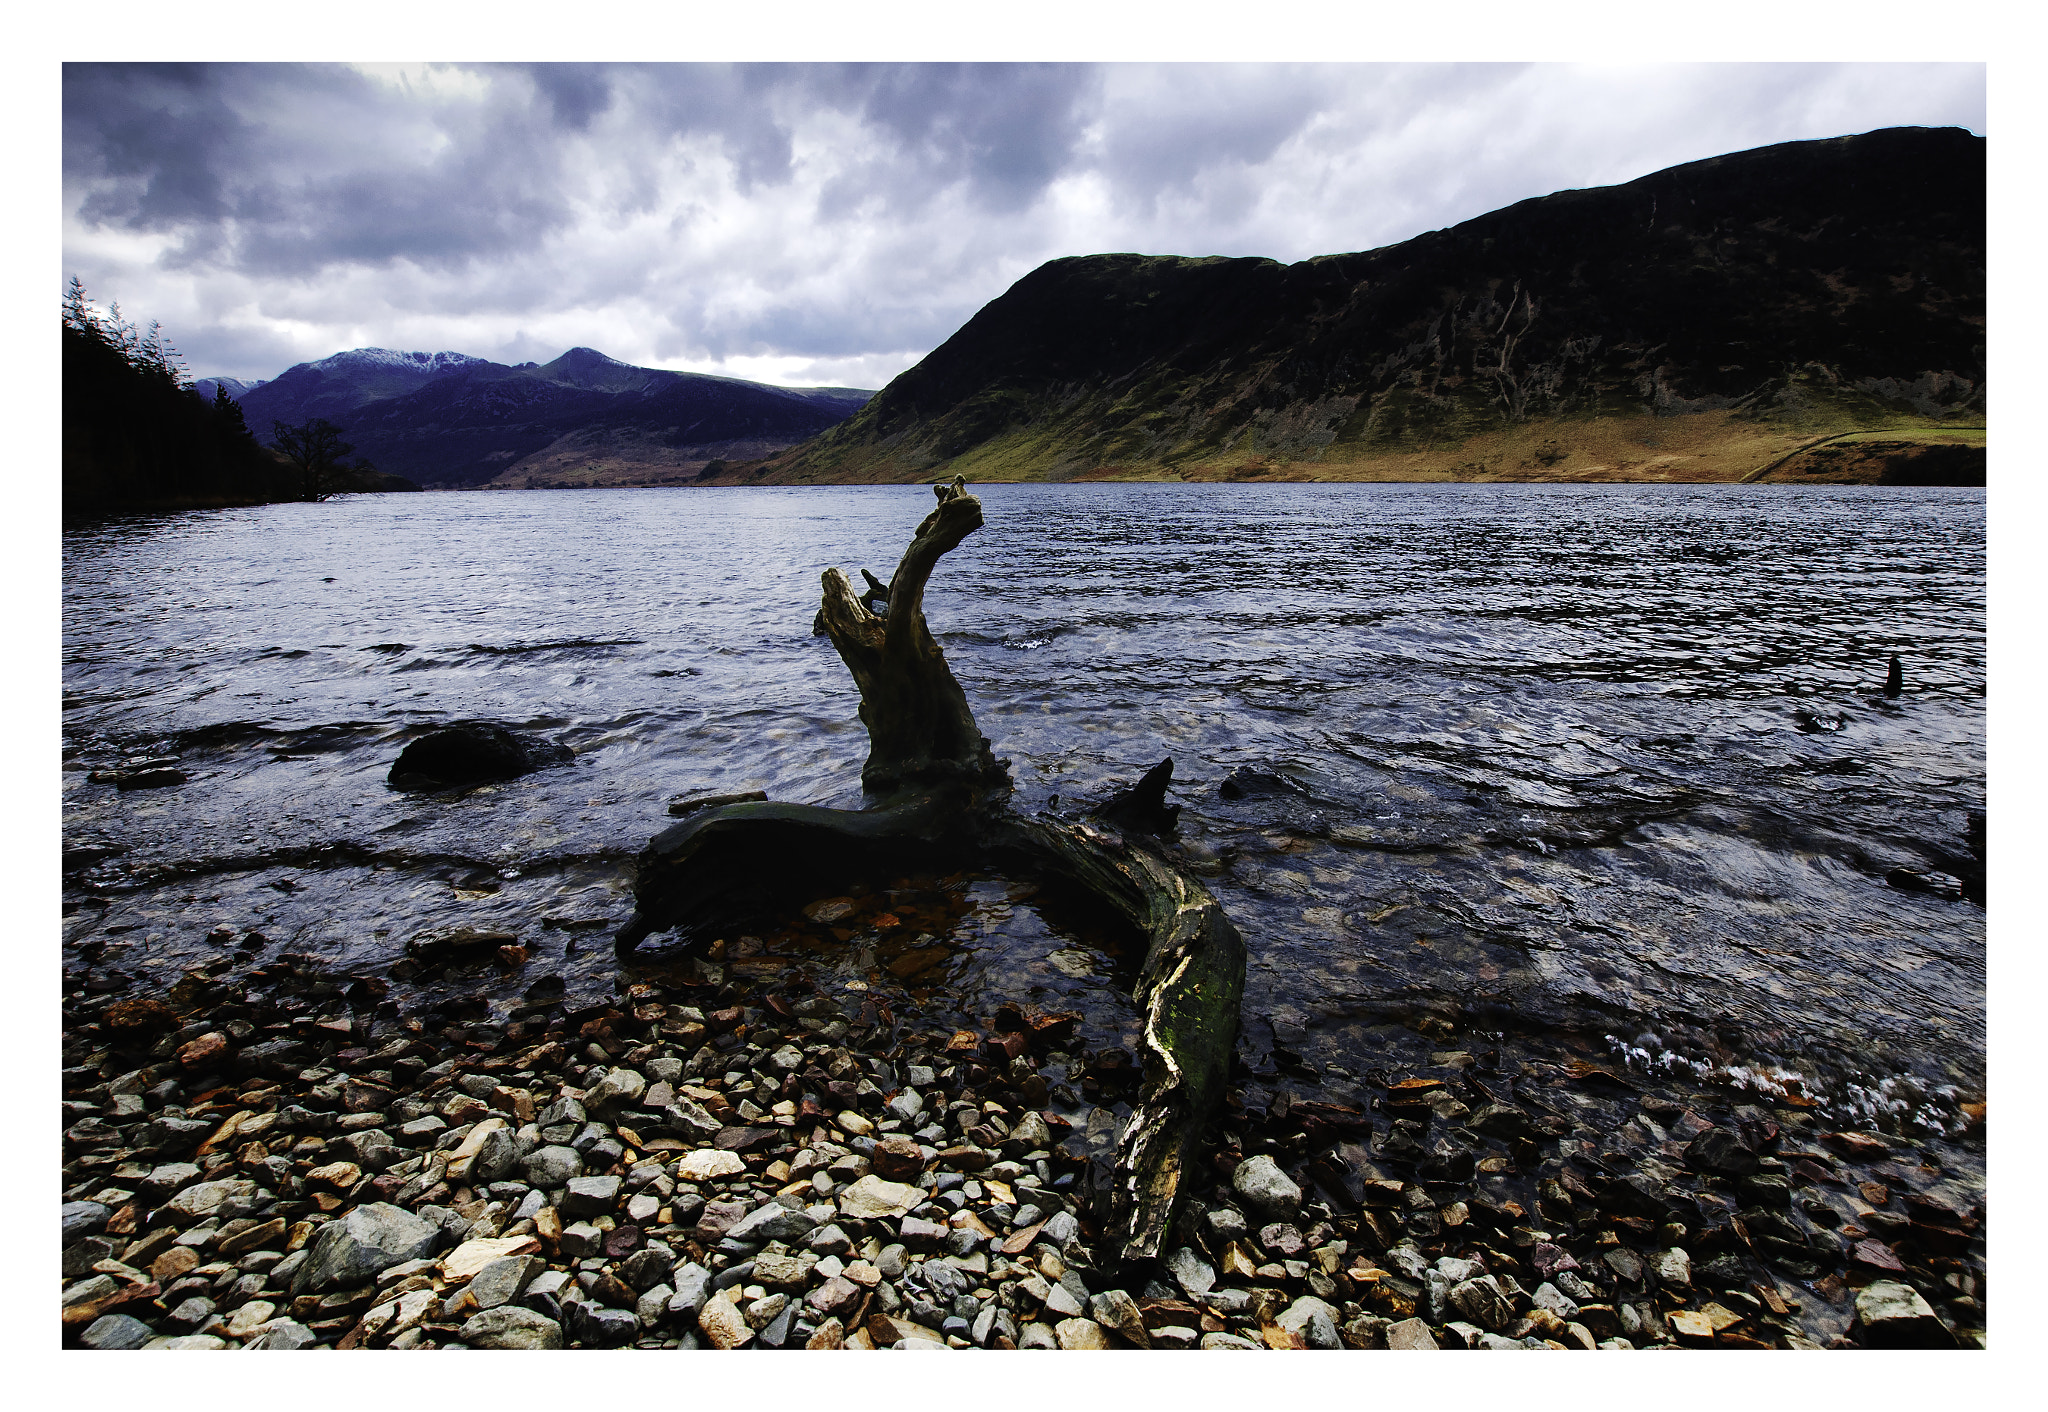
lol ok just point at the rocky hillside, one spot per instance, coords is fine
(446, 419)
(1766, 296)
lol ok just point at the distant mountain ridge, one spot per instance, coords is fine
(1608, 333)
(235, 386)
(450, 420)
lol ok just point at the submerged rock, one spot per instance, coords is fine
(1721, 1151)
(1244, 782)
(472, 752)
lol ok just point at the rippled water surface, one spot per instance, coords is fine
(1596, 765)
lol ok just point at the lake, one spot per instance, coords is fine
(1594, 771)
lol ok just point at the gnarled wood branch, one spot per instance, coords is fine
(920, 729)
(940, 794)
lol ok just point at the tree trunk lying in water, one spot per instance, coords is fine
(938, 793)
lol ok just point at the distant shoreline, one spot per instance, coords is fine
(1703, 451)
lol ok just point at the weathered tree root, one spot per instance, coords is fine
(939, 795)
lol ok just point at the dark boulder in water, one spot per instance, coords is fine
(1245, 782)
(472, 752)
(1720, 1151)
(1143, 806)
(141, 779)
(1925, 880)
(458, 943)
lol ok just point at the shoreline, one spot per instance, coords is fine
(608, 1176)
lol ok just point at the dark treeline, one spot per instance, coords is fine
(136, 434)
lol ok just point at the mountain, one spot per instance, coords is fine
(1693, 324)
(447, 419)
(236, 388)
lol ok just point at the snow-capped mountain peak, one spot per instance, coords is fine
(359, 359)
(237, 387)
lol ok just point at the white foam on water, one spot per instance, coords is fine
(1892, 1103)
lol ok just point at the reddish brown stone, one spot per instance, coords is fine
(1017, 1242)
(1861, 1145)
(1162, 1313)
(612, 1290)
(717, 1218)
(1002, 1048)
(206, 1049)
(836, 1296)
(80, 1315)
(1053, 1029)
(1742, 1338)
(898, 1159)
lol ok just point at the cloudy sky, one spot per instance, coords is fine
(812, 224)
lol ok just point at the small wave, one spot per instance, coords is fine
(967, 637)
(219, 734)
(222, 735)
(508, 649)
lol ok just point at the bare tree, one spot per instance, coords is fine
(316, 451)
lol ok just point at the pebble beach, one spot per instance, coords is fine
(271, 1156)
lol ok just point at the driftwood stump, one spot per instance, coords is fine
(937, 794)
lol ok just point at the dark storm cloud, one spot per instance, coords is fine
(153, 135)
(197, 146)
(575, 93)
(723, 106)
(290, 170)
(1004, 129)
(824, 222)
(1000, 130)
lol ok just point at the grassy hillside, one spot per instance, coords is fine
(1694, 324)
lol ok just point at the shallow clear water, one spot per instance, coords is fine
(1569, 762)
